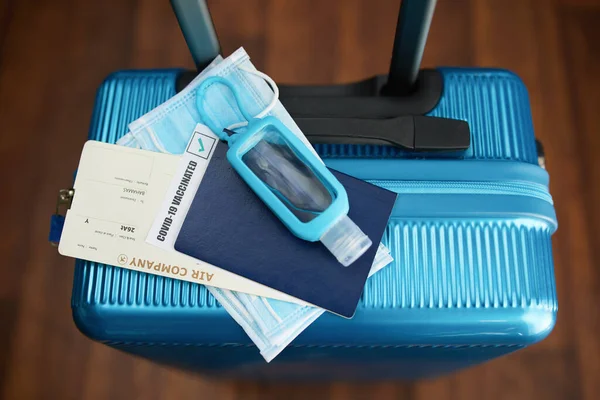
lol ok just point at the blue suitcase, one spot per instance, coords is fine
(472, 277)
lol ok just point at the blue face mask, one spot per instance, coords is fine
(168, 127)
(271, 324)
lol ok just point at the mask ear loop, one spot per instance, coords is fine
(200, 103)
(270, 106)
(217, 79)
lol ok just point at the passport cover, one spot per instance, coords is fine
(229, 226)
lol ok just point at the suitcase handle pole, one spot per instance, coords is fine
(414, 20)
(198, 30)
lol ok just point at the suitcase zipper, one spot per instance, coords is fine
(513, 188)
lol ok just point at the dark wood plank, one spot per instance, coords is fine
(451, 39)
(8, 317)
(242, 26)
(24, 97)
(157, 41)
(307, 51)
(48, 83)
(580, 3)
(363, 48)
(6, 10)
(581, 29)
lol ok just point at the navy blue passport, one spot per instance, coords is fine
(230, 227)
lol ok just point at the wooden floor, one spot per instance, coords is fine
(53, 55)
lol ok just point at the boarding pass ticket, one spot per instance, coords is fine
(118, 192)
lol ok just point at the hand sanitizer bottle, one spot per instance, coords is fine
(291, 180)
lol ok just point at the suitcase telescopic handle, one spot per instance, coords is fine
(411, 132)
(198, 30)
(414, 20)
(412, 29)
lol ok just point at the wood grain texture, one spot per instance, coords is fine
(55, 53)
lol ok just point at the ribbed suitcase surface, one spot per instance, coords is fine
(472, 277)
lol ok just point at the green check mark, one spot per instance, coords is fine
(201, 144)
